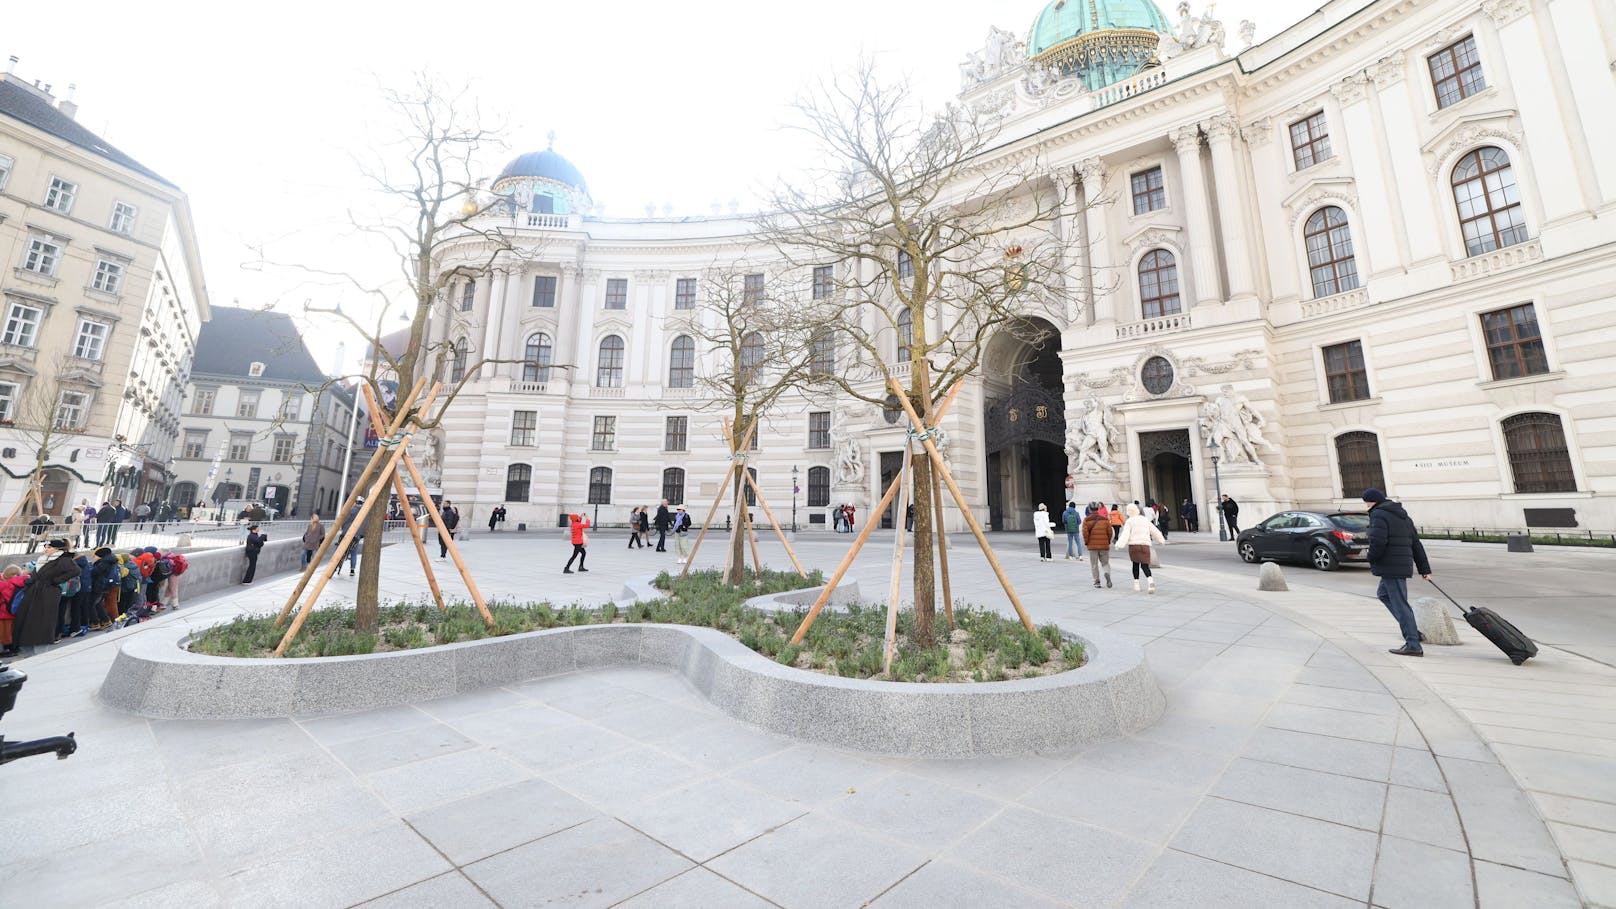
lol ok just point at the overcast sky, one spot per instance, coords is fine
(256, 111)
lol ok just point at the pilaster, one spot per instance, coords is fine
(1203, 265)
(1099, 279)
(1233, 214)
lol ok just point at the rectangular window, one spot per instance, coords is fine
(525, 428)
(684, 293)
(108, 277)
(1456, 72)
(247, 404)
(824, 281)
(72, 409)
(1514, 344)
(123, 218)
(1344, 372)
(1310, 141)
(240, 446)
(60, 195)
(8, 400)
(752, 289)
(196, 444)
(605, 435)
(283, 449)
(5, 170)
(22, 325)
(92, 339)
(43, 256)
(906, 265)
(468, 295)
(202, 404)
(819, 429)
(544, 291)
(821, 354)
(617, 293)
(1149, 192)
(674, 436)
(291, 405)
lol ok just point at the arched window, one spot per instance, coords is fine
(1538, 456)
(1489, 202)
(183, 494)
(682, 363)
(751, 357)
(609, 366)
(518, 477)
(751, 495)
(600, 486)
(457, 360)
(906, 334)
(1329, 252)
(538, 357)
(1358, 453)
(821, 354)
(1158, 284)
(818, 487)
(673, 485)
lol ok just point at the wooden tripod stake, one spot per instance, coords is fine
(746, 439)
(899, 530)
(413, 526)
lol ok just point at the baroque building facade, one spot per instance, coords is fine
(103, 300)
(1376, 249)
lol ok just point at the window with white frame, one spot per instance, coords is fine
(108, 277)
(1330, 259)
(609, 363)
(60, 195)
(44, 254)
(824, 281)
(282, 453)
(468, 295)
(196, 444)
(676, 434)
(5, 169)
(536, 362)
(22, 325)
(525, 428)
(8, 399)
(91, 342)
(617, 293)
(72, 409)
(819, 429)
(684, 293)
(604, 437)
(123, 218)
(240, 446)
(291, 404)
(247, 404)
(202, 404)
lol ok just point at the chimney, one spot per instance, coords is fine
(11, 68)
(67, 105)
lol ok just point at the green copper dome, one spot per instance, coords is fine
(1104, 41)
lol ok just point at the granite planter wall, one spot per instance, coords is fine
(1114, 694)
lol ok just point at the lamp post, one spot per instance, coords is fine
(794, 490)
(1217, 482)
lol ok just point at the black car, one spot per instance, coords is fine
(1322, 540)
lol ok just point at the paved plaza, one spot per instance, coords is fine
(1297, 765)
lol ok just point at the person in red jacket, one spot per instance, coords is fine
(580, 542)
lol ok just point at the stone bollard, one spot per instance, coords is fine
(1270, 577)
(184, 542)
(1434, 621)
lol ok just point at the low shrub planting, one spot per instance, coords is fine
(982, 646)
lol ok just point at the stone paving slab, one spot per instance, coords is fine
(572, 791)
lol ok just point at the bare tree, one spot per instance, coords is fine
(54, 405)
(937, 238)
(441, 227)
(755, 347)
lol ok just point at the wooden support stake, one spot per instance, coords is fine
(729, 474)
(353, 531)
(751, 535)
(353, 496)
(959, 499)
(942, 545)
(897, 561)
(410, 522)
(858, 544)
(780, 532)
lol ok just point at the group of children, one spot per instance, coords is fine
(1100, 529)
(108, 590)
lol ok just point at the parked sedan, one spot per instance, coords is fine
(1319, 539)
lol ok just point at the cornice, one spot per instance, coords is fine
(1371, 28)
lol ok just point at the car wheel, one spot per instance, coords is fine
(1248, 552)
(1323, 558)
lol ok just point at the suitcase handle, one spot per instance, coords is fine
(1450, 599)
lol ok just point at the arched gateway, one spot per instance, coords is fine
(1024, 426)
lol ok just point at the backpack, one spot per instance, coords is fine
(163, 569)
(1074, 522)
(71, 586)
(130, 579)
(177, 560)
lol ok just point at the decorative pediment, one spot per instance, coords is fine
(1465, 132)
(12, 364)
(77, 376)
(1310, 195)
(1153, 235)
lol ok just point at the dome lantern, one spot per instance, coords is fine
(1103, 41)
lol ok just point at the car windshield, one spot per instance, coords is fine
(1353, 522)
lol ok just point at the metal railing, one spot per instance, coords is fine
(1546, 537)
(167, 536)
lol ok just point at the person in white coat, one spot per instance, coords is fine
(1041, 530)
(1137, 535)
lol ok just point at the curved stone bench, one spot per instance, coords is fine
(1113, 694)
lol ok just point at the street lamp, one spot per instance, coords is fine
(794, 490)
(1217, 480)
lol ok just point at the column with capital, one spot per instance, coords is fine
(1074, 258)
(491, 310)
(1203, 264)
(575, 348)
(1233, 213)
(1098, 283)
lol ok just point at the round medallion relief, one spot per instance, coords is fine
(892, 411)
(1157, 375)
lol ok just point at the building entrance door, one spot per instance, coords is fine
(891, 466)
(1165, 458)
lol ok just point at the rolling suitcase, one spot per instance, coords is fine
(1494, 627)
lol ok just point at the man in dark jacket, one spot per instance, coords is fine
(105, 516)
(120, 514)
(1231, 515)
(664, 523)
(451, 520)
(1395, 553)
(255, 545)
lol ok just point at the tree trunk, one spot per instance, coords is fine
(367, 599)
(920, 494)
(737, 535)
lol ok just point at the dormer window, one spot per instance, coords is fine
(255, 369)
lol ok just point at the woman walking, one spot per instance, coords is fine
(1040, 529)
(313, 536)
(580, 542)
(1137, 535)
(634, 518)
